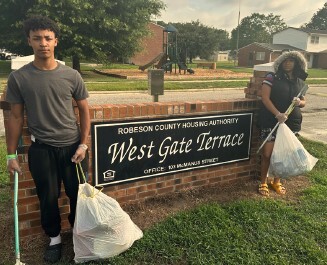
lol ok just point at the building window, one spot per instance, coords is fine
(260, 56)
(314, 39)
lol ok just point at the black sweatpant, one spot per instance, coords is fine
(49, 167)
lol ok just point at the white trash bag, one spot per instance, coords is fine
(289, 157)
(102, 229)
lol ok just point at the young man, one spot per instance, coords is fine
(45, 88)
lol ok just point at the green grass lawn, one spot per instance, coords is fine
(4, 176)
(243, 232)
(169, 85)
(248, 231)
(3, 171)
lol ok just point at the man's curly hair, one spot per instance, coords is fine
(37, 22)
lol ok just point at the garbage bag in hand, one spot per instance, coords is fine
(289, 157)
(102, 228)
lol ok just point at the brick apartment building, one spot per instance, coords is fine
(152, 45)
(260, 53)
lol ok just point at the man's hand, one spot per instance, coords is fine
(13, 165)
(79, 154)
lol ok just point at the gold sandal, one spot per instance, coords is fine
(278, 187)
(263, 189)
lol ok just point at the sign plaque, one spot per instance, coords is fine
(132, 150)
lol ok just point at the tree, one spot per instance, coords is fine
(318, 20)
(95, 29)
(195, 39)
(257, 28)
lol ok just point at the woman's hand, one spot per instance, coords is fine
(281, 117)
(296, 101)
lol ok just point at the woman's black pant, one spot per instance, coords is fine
(50, 166)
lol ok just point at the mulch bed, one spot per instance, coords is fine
(199, 74)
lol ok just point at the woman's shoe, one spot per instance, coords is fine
(277, 187)
(263, 189)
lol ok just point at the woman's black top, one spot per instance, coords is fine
(283, 90)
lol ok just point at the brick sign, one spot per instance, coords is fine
(133, 150)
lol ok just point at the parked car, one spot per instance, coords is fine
(6, 55)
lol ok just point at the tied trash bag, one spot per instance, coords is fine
(101, 229)
(289, 157)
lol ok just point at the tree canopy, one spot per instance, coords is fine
(318, 20)
(89, 28)
(256, 28)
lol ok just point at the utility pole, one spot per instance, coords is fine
(238, 30)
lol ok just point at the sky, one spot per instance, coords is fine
(223, 14)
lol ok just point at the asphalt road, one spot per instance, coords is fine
(314, 114)
(314, 124)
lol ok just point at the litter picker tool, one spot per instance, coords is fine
(287, 112)
(17, 250)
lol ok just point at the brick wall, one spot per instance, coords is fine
(28, 205)
(253, 89)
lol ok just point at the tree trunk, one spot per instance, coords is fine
(60, 57)
(76, 63)
(191, 58)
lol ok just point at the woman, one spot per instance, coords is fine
(279, 90)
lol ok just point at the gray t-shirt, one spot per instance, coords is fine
(47, 96)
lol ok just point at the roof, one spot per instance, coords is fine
(310, 31)
(317, 31)
(275, 47)
(170, 28)
(156, 24)
(278, 47)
